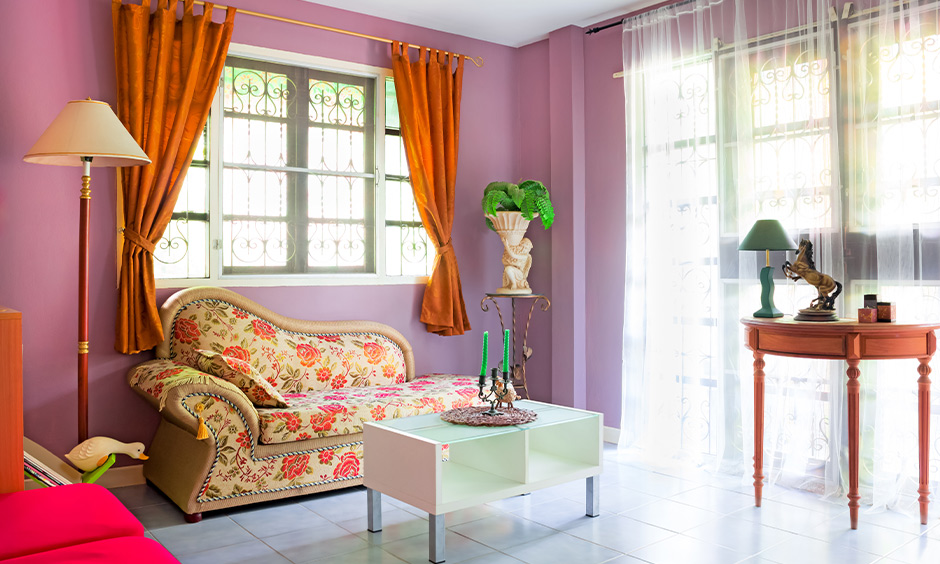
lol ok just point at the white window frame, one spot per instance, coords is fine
(216, 278)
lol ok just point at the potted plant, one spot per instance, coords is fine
(508, 209)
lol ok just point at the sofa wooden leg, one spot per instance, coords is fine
(192, 517)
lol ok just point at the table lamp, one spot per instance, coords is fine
(767, 235)
(86, 133)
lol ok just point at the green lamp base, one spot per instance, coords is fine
(767, 308)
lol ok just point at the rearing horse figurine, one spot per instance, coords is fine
(804, 267)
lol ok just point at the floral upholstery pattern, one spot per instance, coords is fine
(156, 378)
(239, 471)
(242, 375)
(341, 412)
(291, 362)
(333, 377)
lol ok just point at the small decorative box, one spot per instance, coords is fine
(887, 311)
(867, 315)
(871, 301)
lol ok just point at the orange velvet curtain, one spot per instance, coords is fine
(428, 94)
(167, 74)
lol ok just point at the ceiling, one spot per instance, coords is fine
(508, 22)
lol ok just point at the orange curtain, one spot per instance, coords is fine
(428, 94)
(167, 74)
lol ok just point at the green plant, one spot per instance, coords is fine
(531, 197)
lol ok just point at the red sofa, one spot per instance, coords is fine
(72, 524)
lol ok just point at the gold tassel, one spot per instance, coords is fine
(202, 432)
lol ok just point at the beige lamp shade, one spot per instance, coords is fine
(86, 128)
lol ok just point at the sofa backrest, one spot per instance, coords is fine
(294, 355)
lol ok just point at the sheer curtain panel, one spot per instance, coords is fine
(736, 111)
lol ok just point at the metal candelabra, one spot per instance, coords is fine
(496, 392)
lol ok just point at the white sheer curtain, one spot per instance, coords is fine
(736, 111)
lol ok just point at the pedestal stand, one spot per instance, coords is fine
(518, 368)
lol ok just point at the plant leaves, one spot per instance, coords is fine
(517, 194)
(499, 186)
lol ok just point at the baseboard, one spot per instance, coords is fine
(611, 435)
(113, 478)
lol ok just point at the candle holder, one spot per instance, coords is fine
(500, 391)
(497, 392)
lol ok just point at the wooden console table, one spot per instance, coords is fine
(853, 342)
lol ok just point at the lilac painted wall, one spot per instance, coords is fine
(605, 232)
(64, 51)
(566, 106)
(533, 160)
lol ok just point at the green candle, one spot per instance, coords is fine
(506, 350)
(486, 353)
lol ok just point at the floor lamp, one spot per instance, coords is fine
(86, 133)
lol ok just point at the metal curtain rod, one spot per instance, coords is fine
(478, 61)
(638, 13)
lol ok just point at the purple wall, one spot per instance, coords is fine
(508, 121)
(605, 232)
(64, 51)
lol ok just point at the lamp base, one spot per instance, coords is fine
(767, 294)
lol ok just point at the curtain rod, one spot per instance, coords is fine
(638, 13)
(478, 61)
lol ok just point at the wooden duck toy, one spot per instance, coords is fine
(92, 453)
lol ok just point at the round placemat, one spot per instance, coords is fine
(474, 416)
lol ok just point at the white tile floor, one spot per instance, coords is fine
(646, 516)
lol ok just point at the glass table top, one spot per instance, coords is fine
(431, 427)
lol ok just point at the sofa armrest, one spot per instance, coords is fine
(183, 394)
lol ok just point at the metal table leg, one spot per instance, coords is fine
(436, 538)
(374, 501)
(593, 496)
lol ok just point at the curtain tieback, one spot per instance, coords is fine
(139, 240)
(447, 247)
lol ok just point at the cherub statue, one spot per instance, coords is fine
(516, 264)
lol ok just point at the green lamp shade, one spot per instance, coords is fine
(767, 235)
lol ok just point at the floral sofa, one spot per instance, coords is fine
(282, 413)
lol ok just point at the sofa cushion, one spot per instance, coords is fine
(240, 373)
(50, 518)
(343, 411)
(292, 362)
(139, 550)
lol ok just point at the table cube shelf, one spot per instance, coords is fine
(441, 467)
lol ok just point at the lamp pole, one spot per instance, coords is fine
(84, 234)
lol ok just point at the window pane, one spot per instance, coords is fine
(181, 253)
(407, 251)
(254, 192)
(336, 150)
(391, 105)
(255, 244)
(255, 142)
(396, 163)
(257, 92)
(335, 197)
(183, 250)
(335, 244)
(337, 103)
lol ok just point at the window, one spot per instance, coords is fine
(300, 177)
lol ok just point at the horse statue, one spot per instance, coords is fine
(804, 267)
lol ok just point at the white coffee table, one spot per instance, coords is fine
(440, 467)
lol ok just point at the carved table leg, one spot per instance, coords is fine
(758, 426)
(853, 388)
(923, 434)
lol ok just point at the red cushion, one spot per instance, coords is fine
(139, 550)
(48, 518)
